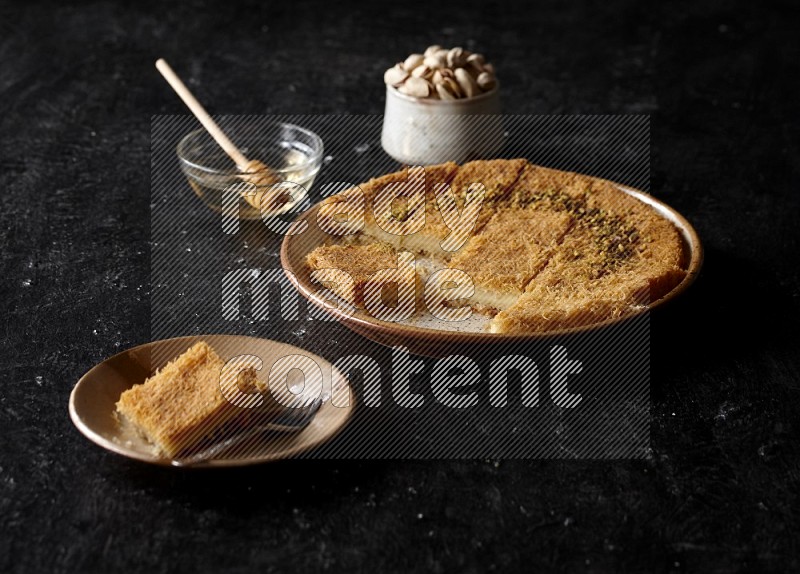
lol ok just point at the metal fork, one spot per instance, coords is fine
(291, 419)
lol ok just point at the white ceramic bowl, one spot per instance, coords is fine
(419, 131)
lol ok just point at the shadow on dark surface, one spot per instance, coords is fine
(308, 484)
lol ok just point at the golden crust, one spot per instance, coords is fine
(359, 261)
(658, 238)
(583, 283)
(548, 306)
(567, 296)
(402, 208)
(544, 188)
(182, 403)
(520, 242)
(497, 176)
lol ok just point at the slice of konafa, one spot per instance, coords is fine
(359, 261)
(397, 220)
(549, 306)
(657, 239)
(603, 245)
(447, 224)
(363, 196)
(540, 310)
(182, 404)
(520, 242)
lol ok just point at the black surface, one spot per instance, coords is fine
(720, 491)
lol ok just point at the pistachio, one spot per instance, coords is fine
(431, 50)
(444, 92)
(395, 76)
(453, 87)
(412, 62)
(475, 65)
(486, 81)
(415, 87)
(456, 58)
(442, 76)
(466, 82)
(476, 60)
(434, 62)
(422, 71)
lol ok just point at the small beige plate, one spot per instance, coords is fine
(92, 402)
(438, 343)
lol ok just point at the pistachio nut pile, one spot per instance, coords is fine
(442, 74)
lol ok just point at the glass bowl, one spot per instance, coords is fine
(293, 154)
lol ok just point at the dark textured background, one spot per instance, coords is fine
(720, 492)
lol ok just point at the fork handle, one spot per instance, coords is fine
(284, 424)
(214, 450)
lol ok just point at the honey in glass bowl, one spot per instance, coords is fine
(292, 155)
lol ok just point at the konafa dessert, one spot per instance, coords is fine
(547, 250)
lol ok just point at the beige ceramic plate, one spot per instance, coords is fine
(439, 343)
(92, 402)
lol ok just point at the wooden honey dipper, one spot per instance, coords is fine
(253, 170)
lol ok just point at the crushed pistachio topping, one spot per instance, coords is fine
(616, 238)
